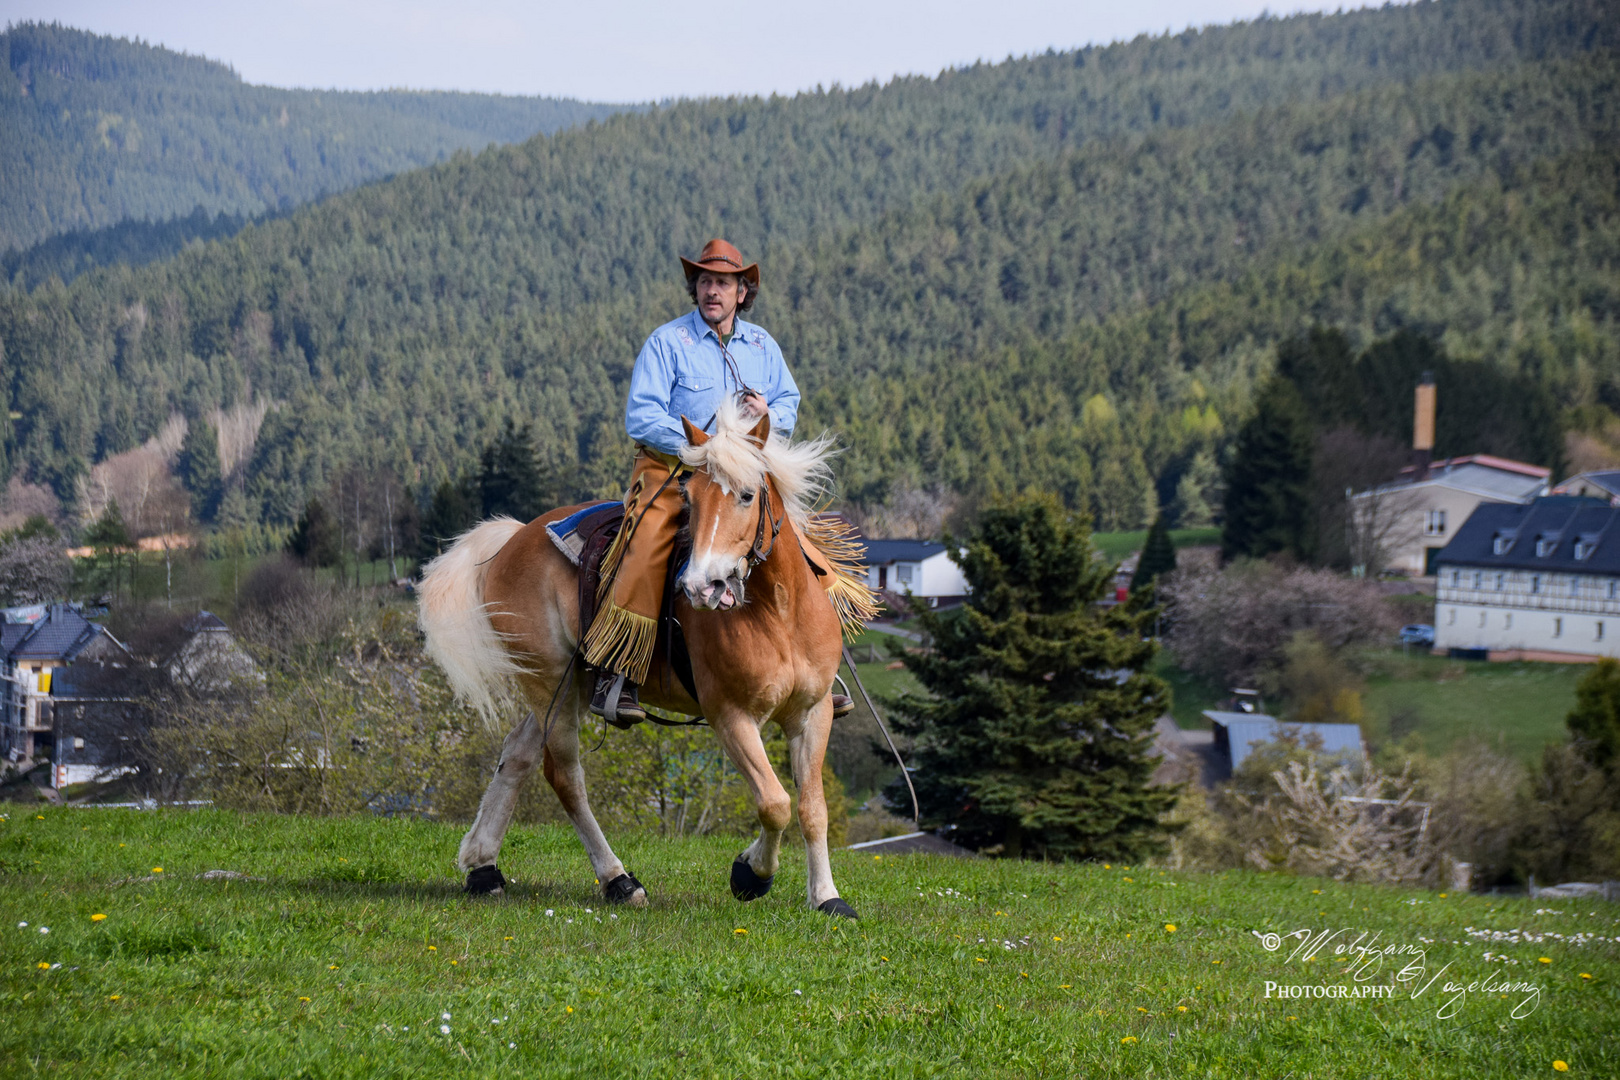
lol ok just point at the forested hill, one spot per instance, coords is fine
(1064, 272)
(96, 130)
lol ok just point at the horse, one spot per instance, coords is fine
(500, 612)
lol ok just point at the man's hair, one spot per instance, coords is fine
(751, 291)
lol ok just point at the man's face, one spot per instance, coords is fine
(718, 296)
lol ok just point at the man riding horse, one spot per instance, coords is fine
(686, 369)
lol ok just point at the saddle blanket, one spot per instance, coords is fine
(569, 534)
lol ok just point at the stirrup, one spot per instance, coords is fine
(843, 705)
(615, 701)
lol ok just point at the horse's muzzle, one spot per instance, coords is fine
(714, 595)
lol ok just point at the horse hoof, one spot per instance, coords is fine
(485, 881)
(837, 907)
(625, 889)
(747, 885)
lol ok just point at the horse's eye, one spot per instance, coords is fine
(746, 497)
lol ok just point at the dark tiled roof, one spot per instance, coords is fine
(11, 633)
(1554, 524)
(205, 620)
(61, 635)
(879, 552)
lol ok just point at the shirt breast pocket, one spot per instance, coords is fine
(693, 398)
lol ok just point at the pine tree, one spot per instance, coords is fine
(199, 469)
(509, 476)
(1595, 720)
(1268, 485)
(453, 511)
(1158, 556)
(110, 536)
(314, 539)
(1194, 490)
(1036, 737)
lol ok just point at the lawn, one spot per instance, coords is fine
(1116, 545)
(1519, 706)
(356, 956)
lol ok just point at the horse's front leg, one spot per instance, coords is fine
(754, 869)
(808, 749)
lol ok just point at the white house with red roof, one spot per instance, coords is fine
(1411, 518)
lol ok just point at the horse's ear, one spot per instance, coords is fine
(762, 430)
(694, 434)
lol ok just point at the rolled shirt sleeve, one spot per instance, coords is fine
(783, 393)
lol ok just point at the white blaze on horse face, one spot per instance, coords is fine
(718, 565)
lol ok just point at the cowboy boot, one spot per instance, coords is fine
(615, 700)
(843, 705)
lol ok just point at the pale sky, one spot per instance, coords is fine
(623, 50)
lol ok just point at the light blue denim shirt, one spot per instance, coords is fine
(682, 372)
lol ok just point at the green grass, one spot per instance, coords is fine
(344, 960)
(1521, 705)
(1116, 545)
(1190, 694)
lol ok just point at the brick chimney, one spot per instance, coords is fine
(1423, 426)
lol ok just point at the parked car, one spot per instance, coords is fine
(1417, 634)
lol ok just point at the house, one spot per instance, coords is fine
(917, 568)
(1236, 734)
(1410, 519)
(209, 658)
(1600, 484)
(42, 642)
(1540, 581)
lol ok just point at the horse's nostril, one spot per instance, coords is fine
(718, 584)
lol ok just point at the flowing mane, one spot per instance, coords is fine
(802, 471)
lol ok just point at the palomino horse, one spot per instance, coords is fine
(501, 612)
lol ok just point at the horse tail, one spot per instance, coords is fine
(454, 616)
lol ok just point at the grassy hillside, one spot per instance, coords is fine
(357, 956)
(98, 130)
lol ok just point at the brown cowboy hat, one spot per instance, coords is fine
(720, 257)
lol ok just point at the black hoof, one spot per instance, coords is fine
(747, 885)
(485, 881)
(622, 889)
(836, 906)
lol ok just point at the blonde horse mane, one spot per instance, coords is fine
(802, 471)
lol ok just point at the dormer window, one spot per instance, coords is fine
(1584, 547)
(1546, 545)
(1502, 544)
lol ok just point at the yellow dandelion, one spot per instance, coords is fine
(1584, 975)
(1214, 961)
(39, 817)
(120, 845)
(1128, 1039)
(980, 960)
(1545, 960)
(1107, 866)
(1140, 1009)
(1057, 939)
(509, 938)
(1560, 1066)
(331, 967)
(570, 1008)
(43, 965)
(1181, 1008)
(433, 948)
(1316, 892)
(1064, 986)
(157, 869)
(1131, 880)
(1169, 927)
(885, 959)
(114, 997)
(739, 930)
(1442, 896)
(1023, 974)
(877, 858)
(452, 963)
(1293, 1018)
(1127, 935)
(97, 917)
(305, 999)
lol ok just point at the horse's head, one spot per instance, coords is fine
(731, 514)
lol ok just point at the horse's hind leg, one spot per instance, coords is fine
(808, 749)
(482, 844)
(566, 774)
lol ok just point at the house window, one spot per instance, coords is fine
(1558, 628)
(1574, 585)
(1478, 578)
(1535, 583)
(1499, 579)
(1507, 621)
(78, 743)
(1611, 590)
(1454, 575)
(1600, 630)
(1545, 546)
(1434, 523)
(1500, 545)
(1482, 620)
(902, 573)
(1451, 617)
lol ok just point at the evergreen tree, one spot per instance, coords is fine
(1158, 556)
(199, 469)
(1268, 485)
(1194, 491)
(1036, 737)
(109, 536)
(314, 539)
(509, 476)
(1595, 720)
(453, 511)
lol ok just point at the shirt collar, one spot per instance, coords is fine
(702, 327)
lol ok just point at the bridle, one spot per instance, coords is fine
(760, 552)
